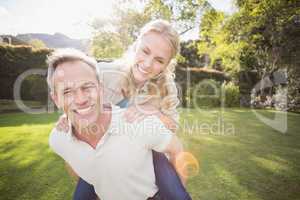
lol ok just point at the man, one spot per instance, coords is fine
(101, 147)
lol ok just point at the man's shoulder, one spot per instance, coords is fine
(58, 139)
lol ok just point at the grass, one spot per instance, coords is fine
(11, 106)
(249, 160)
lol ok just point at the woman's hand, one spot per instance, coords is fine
(139, 112)
(62, 124)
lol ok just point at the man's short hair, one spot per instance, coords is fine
(60, 56)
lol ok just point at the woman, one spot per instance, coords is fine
(145, 84)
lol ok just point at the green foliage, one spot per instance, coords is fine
(188, 78)
(107, 45)
(232, 94)
(224, 55)
(112, 37)
(189, 55)
(184, 14)
(270, 31)
(205, 94)
(37, 43)
(14, 60)
(210, 93)
(262, 36)
(211, 24)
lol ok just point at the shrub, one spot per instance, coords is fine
(14, 60)
(232, 94)
(205, 94)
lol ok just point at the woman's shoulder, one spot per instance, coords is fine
(110, 66)
(111, 71)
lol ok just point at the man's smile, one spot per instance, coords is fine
(84, 110)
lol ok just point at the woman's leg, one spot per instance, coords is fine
(167, 179)
(84, 191)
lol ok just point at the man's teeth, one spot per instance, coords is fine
(84, 110)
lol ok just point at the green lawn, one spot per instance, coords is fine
(249, 161)
(11, 106)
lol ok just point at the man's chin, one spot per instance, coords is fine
(86, 125)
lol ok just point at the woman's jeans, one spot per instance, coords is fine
(167, 179)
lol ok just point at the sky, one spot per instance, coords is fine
(69, 17)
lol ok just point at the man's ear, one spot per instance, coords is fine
(54, 98)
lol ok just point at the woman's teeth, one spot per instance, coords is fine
(142, 70)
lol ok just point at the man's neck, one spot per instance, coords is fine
(93, 133)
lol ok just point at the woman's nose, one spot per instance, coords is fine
(148, 62)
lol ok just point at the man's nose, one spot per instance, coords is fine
(80, 97)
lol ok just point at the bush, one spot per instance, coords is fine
(14, 60)
(209, 93)
(188, 78)
(205, 94)
(232, 94)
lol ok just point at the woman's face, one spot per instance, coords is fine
(153, 54)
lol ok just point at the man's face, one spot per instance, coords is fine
(77, 92)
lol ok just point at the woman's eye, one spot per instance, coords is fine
(145, 51)
(161, 62)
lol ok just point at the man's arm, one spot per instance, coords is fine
(57, 140)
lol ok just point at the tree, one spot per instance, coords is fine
(223, 54)
(37, 43)
(107, 45)
(127, 22)
(112, 37)
(184, 14)
(270, 34)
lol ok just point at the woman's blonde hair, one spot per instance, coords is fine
(158, 84)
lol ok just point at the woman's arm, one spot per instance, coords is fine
(165, 109)
(168, 121)
(139, 112)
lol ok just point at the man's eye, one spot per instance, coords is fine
(67, 92)
(88, 87)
